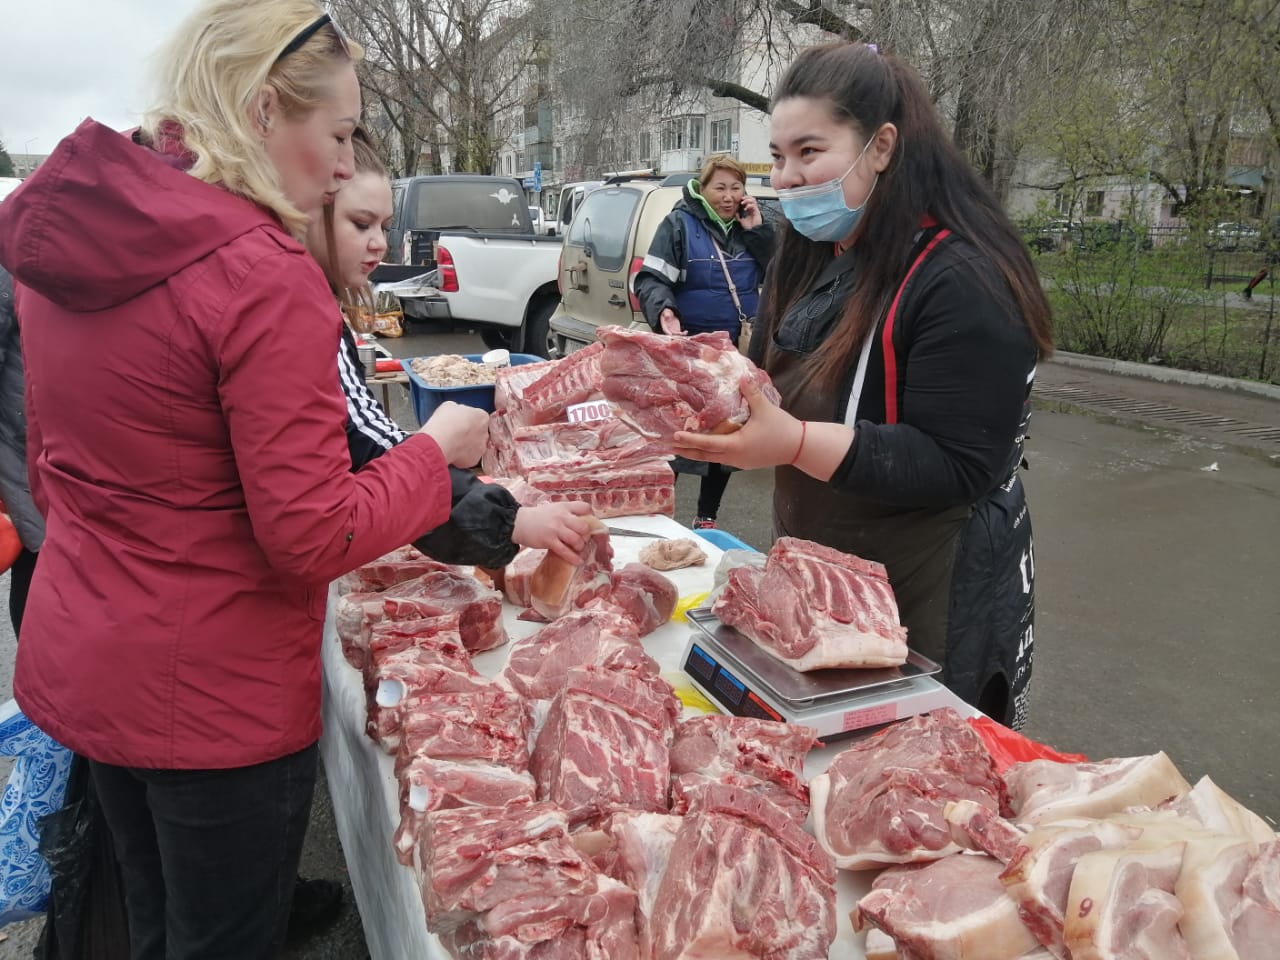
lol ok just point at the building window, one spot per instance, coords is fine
(520, 162)
(643, 144)
(721, 132)
(1093, 203)
(695, 133)
(673, 135)
(559, 155)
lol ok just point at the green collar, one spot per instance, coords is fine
(725, 225)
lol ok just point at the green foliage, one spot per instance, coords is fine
(6, 162)
(1114, 295)
(1113, 299)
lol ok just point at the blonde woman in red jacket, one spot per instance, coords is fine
(191, 463)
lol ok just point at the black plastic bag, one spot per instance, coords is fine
(86, 917)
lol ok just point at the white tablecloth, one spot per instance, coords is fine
(365, 800)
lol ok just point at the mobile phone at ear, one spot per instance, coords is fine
(742, 208)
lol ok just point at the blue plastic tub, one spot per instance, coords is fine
(426, 398)
(725, 541)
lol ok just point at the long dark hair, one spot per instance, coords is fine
(926, 177)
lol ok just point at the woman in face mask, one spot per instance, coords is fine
(902, 321)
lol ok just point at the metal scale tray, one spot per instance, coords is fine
(816, 688)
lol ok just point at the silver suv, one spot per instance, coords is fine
(605, 247)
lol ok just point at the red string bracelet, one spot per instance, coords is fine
(804, 428)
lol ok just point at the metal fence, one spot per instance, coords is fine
(1203, 300)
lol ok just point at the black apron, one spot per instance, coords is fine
(955, 571)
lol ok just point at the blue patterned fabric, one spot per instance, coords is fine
(35, 789)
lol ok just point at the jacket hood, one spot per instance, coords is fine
(104, 219)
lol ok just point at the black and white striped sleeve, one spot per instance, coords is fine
(370, 432)
(482, 520)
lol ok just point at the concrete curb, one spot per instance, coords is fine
(1146, 371)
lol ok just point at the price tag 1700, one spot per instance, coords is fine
(590, 411)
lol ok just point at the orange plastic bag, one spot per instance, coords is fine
(10, 543)
(1008, 747)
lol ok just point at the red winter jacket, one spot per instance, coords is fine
(187, 448)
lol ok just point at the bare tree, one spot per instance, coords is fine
(976, 55)
(1165, 92)
(443, 75)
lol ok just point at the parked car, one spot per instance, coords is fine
(605, 248)
(1095, 235)
(8, 185)
(1046, 236)
(474, 241)
(424, 207)
(570, 199)
(1234, 235)
(539, 219)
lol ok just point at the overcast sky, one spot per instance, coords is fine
(64, 60)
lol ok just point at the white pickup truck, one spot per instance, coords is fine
(472, 240)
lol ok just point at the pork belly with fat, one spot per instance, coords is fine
(1209, 805)
(664, 384)
(605, 744)
(882, 800)
(1041, 791)
(813, 607)
(760, 756)
(429, 784)
(743, 880)
(1122, 906)
(540, 663)
(951, 909)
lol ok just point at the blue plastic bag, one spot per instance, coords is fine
(35, 789)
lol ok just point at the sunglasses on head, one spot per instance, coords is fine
(309, 31)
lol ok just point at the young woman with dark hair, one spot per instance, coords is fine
(485, 526)
(901, 321)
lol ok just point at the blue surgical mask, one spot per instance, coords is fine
(818, 210)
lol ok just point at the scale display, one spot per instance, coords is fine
(728, 689)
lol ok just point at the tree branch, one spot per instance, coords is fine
(816, 14)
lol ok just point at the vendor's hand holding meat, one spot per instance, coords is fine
(461, 432)
(771, 437)
(561, 528)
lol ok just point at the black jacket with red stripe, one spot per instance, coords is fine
(964, 361)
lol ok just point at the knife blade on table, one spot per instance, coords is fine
(620, 532)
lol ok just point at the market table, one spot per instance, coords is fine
(365, 794)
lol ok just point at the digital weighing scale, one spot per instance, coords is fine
(744, 680)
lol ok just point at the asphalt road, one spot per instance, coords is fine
(1158, 582)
